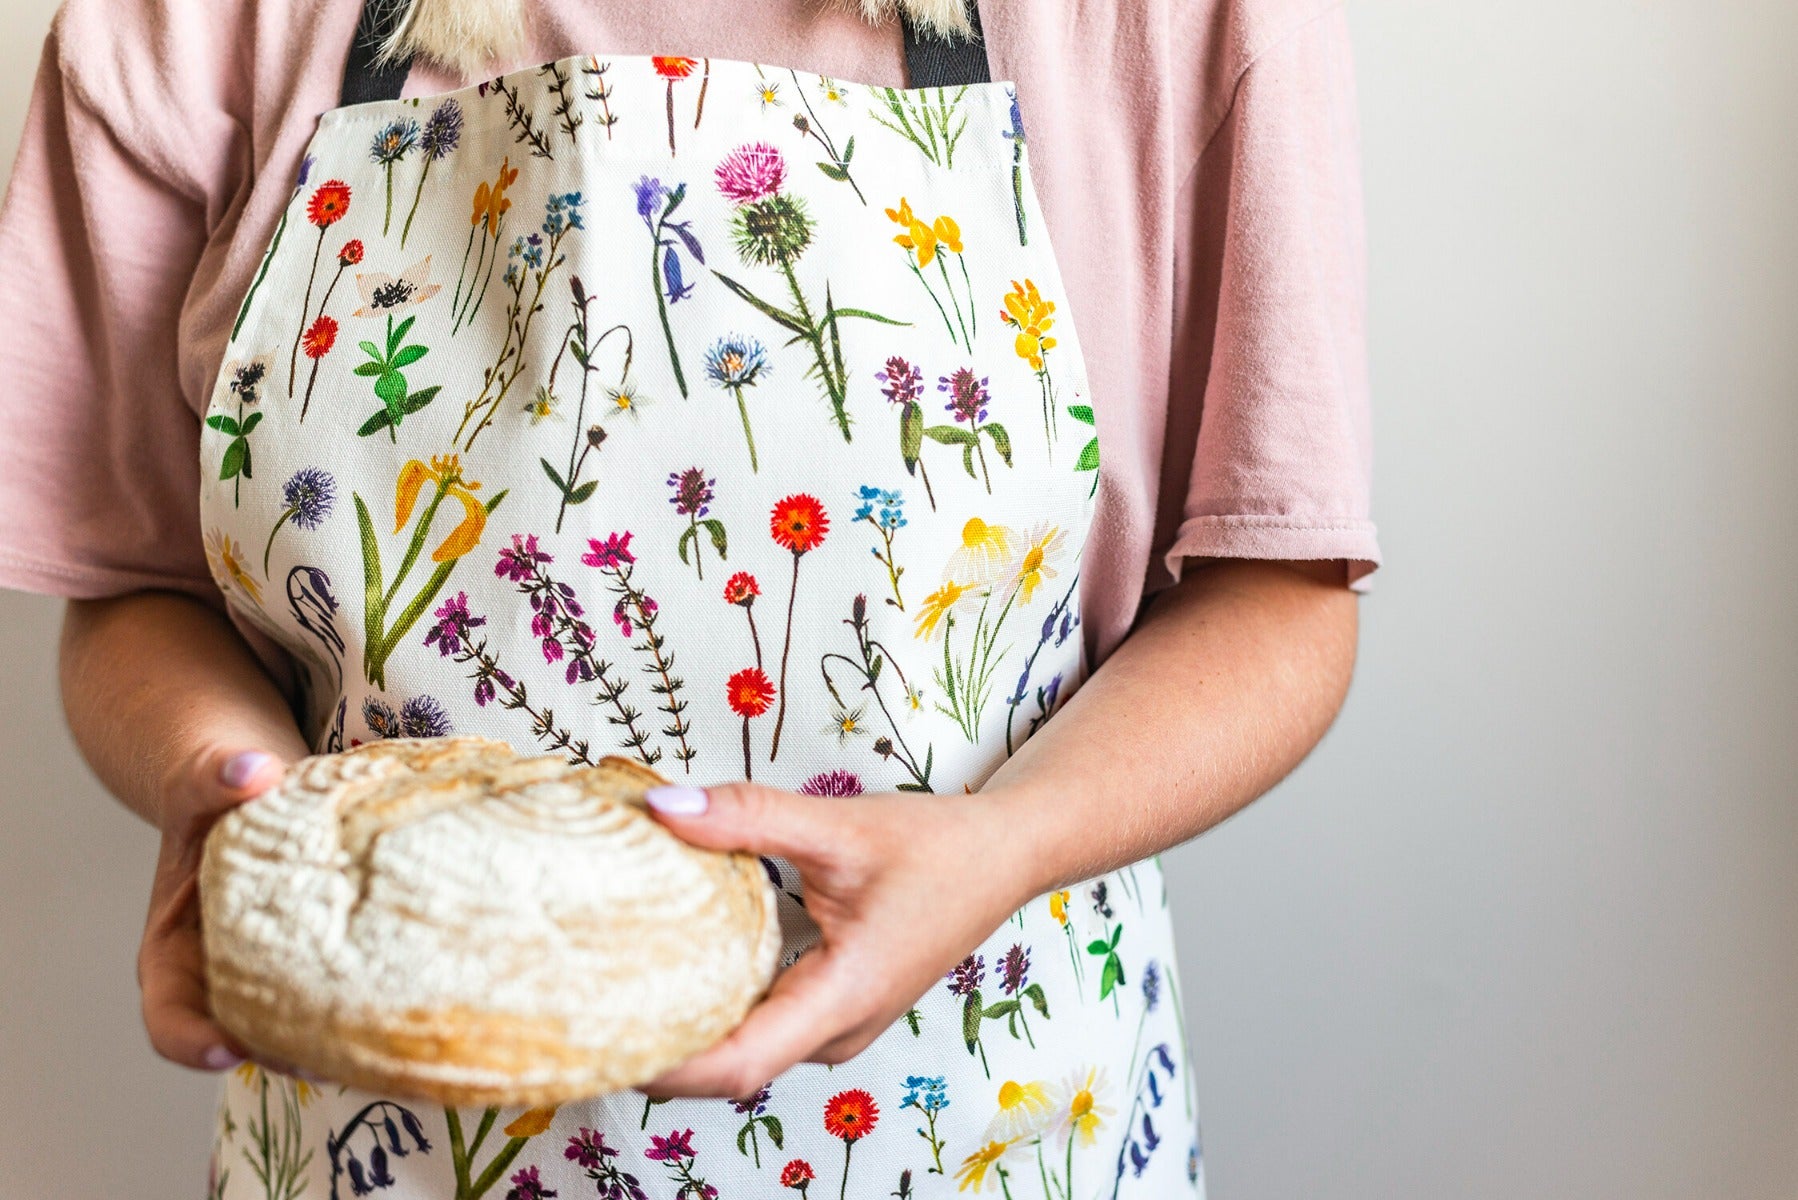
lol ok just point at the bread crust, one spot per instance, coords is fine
(448, 920)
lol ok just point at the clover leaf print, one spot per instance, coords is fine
(1111, 975)
(1089, 453)
(244, 380)
(692, 499)
(773, 229)
(387, 367)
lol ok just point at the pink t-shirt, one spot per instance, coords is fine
(1196, 161)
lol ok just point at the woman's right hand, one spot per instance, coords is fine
(170, 964)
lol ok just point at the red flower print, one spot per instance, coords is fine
(749, 692)
(351, 254)
(673, 68)
(799, 523)
(320, 337)
(750, 173)
(742, 589)
(797, 1174)
(851, 1115)
(329, 204)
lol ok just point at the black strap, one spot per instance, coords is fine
(363, 80)
(929, 61)
(946, 62)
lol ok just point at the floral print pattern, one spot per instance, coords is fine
(596, 505)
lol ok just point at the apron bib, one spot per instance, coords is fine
(729, 418)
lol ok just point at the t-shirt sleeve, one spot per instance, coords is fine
(1269, 437)
(104, 219)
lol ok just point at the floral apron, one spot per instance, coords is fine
(727, 417)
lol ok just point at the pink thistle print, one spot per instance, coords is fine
(750, 173)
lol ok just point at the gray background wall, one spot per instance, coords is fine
(1527, 924)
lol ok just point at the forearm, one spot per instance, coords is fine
(1230, 680)
(151, 681)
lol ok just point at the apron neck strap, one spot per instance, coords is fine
(929, 62)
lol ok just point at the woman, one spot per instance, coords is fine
(726, 411)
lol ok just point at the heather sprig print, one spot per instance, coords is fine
(244, 380)
(656, 206)
(392, 143)
(925, 244)
(330, 203)
(692, 499)
(932, 123)
(558, 621)
(734, 363)
(307, 497)
(590, 1151)
(532, 260)
(438, 140)
(599, 92)
(519, 117)
(675, 1152)
(637, 612)
(445, 478)
(773, 229)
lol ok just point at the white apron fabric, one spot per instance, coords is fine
(729, 418)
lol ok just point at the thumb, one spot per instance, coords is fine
(746, 817)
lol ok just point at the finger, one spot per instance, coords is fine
(809, 1004)
(213, 782)
(750, 818)
(171, 976)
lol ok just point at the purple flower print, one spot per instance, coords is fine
(676, 1150)
(968, 395)
(520, 560)
(453, 623)
(610, 554)
(833, 783)
(527, 1186)
(692, 499)
(968, 975)
(904, 383)
(750, 173)
(589, 1150)
(1014, 969)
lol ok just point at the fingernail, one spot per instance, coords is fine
(220, 1059)
(239, 769)
(676, 801)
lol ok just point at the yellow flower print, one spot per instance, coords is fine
(972, 1175)
(984, 554)
(939, 604)
(531, 1122)
(1080, 1108)
(1024, 1110)
(446, 472)
(1032, 316)
(928, 243)
(1058, 906)
(229, 570)
(1037, 563)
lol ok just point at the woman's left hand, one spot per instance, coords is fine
(902, 888)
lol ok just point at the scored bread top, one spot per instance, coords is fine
(446, 917)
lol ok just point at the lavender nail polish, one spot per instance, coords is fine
(239, 769)
(676, 801)
(218, 1058)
